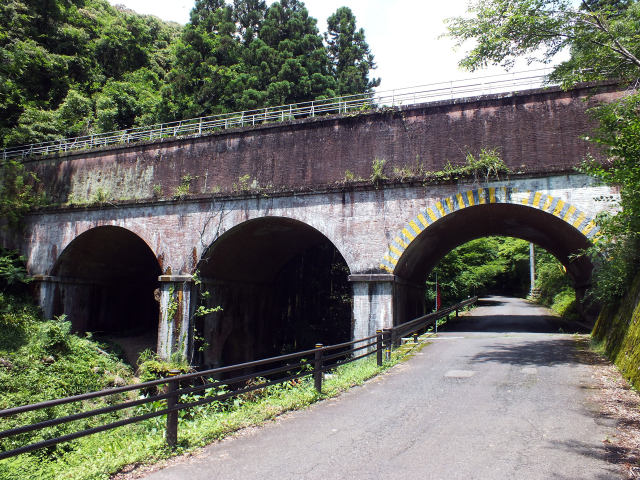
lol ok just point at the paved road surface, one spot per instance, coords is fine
(486, 400)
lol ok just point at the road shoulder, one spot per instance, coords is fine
(614, 402)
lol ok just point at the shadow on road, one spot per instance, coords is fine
(609, 453)
(511, 323)
(534, 353)
(489, 302)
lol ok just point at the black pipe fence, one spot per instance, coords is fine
(170, 390)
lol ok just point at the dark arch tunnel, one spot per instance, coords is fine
(501, 219)
(106, 278)
(282, 286)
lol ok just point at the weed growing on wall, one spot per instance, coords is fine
(182, 190)
(17, 192)
(486, 165)
(377, 170)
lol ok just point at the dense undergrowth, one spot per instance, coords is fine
(101, 455)
(617, 334)
(40, 360)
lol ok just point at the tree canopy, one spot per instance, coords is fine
(602, 36)
(76, 67)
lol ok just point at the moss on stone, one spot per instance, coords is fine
(618, 330)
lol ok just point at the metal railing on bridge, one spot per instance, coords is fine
(448, 90)
(174, 389)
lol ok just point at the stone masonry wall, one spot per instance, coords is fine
(537, 131)
(360, 223)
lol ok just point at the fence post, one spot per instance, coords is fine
(172, 417)
(317, 368)
(379, 347)
(386, 333)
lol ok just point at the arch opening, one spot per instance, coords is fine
(283, 287)
(502, 219)
(105, 284)
(551, 233)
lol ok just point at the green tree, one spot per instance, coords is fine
(249, 16)
(602, 36)
(297, 66)
(349, 54)
(205, 66)
(479, 267)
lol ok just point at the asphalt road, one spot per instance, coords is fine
(499, 395)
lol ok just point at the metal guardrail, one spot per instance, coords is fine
(175, 388)
(431, 319)
(448, 90)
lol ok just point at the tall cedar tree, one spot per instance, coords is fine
(350, 56)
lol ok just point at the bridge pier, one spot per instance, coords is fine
(177, 303)
(43, 288)
(382, 301)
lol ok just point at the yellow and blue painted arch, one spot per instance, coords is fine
(553, 205)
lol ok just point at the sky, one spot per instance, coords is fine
(404, 35)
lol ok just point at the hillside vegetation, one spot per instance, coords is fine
(76, 67)
(617, 332)
(500, 265)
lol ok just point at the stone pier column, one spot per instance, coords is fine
(43, 288)
(383, 301)
(175, 330)
(373, 303)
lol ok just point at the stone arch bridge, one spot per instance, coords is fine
(289, 221)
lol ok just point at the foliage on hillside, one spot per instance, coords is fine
(76, 67)
(500, 265)
(617, 253)
(618, 333)
(479, 267)
(41, 360)
(554, 287)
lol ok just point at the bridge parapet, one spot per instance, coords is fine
(535, 131)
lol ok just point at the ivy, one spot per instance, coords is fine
(17, 192)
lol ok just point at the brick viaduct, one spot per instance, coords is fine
(135, 222)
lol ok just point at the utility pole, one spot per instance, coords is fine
(532, 268)
(437, 306)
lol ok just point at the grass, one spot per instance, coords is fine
(101, 455)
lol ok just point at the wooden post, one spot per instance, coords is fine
(172, 417)
(317, 368)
